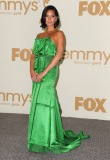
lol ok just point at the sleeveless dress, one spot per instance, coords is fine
(45, 130)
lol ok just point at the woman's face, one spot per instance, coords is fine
(50, 18)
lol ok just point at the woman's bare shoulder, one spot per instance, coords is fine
(60, 34)
(39, 34)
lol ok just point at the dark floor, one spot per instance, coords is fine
(13, 139)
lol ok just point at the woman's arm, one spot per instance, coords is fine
(32, 72)
(58, 56)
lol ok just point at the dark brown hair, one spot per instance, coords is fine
(43, 17)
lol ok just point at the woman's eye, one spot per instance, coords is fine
(49, 16)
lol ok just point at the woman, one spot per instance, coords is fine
(45, 131)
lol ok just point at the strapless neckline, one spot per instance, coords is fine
(42, 37)
(46, 38)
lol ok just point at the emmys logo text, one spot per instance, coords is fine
(88, 57)
(14, 98)
(90, 104)
(94, 8)
(17, 6)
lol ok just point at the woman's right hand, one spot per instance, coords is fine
(33, 75)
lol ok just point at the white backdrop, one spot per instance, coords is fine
(84, 82)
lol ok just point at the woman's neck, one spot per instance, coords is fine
(50, 29)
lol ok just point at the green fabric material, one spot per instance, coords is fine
(45, 130)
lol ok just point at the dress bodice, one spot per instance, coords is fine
(45, 50)
(44, 46)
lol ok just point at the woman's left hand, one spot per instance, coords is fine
(40, 76)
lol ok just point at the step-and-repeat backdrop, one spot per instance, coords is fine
(84, 82)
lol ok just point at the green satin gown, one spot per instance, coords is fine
(45, 130)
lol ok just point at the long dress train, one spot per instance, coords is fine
(45, 130)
